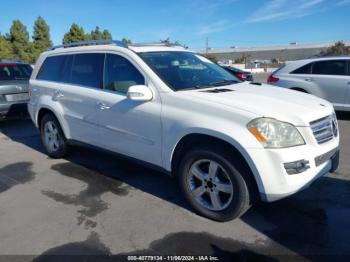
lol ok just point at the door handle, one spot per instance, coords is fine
(57, 95)
(309, 79)
(102, 105)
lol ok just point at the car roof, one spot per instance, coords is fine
(290, 66)
(110, 45)
(323, 58)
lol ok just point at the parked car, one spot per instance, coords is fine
(326, 77)
(240, 74)
(14, 81)
(228, 142)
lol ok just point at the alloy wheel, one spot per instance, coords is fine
(210, 184)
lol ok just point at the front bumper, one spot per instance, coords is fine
(275, 183)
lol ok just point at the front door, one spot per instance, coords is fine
(128, 127)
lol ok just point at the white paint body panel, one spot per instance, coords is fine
(333, 88)
(150, 131)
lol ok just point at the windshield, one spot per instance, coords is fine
(186, 70)
(15, 71)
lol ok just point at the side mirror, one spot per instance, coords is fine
(139, 93)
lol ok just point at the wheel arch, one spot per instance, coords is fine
(193, 139)
(48, 110)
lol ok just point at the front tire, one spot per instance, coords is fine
(214, 184)
(52, 137)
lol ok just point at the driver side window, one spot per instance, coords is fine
(120, 74)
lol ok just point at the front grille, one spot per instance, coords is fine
(325, 129)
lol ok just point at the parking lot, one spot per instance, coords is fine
(94, 203)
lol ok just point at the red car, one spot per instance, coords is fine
(240, 74)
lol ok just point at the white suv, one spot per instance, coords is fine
(325, 77)
(229, 142)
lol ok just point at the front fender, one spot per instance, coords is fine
(169, 153)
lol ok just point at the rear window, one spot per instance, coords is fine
(15, 72)
(279, 69)
(52, 68)
(306, 69)
(331, 67)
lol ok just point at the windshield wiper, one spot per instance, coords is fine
(212, 84)
(195, 87)
(224, 82)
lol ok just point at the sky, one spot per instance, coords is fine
(241, 23)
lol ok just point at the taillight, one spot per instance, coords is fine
(271, 79)
(242, 76)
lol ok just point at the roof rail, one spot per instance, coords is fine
(157, 44)
(90, 42)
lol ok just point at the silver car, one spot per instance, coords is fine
(326, 77)
(14, 81)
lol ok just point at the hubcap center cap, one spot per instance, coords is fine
(210, 184)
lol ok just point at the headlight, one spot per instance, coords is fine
(272, 133)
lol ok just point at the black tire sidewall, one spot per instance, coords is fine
(241, 199)
(63, 148)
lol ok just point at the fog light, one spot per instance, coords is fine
(296, 167)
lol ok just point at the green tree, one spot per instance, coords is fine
(96, 34)
(339, 48)
(41, 38)
(106, 35)
(19, 39)
(5, 48)
(75, 34)
(126, 41)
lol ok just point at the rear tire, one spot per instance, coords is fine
(223, 197)
(52, 137)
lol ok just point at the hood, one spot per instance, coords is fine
(14, 86)
(269, 101)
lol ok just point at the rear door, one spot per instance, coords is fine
(330, 76)
(75, 81)
(83, 82)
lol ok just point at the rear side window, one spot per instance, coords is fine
(15, 72)
(120, 74)
(52, 69)
(331, 67)
(306, 69)
(87, 70)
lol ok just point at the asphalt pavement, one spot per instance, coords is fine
(95, 203)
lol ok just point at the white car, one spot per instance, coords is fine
(229, 142)
(325, 77)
